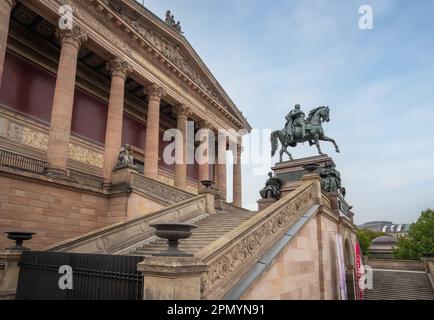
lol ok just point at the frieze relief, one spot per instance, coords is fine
(239, 252)
(35, 139)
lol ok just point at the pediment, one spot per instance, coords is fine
(174, 47)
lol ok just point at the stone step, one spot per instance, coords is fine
(209, 229)
(399, 285)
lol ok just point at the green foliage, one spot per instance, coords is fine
(365, 236)
(420, 238)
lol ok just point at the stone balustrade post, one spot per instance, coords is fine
(155, 93)
(9, 262)
(61, 114)
(171, 278)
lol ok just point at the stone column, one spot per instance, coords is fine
(203, 156)
(221, 166)
(155, 93)
(182, 113)
(237, 192)
(61, 114)
(5, 16)
(119, 70)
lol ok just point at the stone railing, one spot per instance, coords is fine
(117, 237)
(86, 179)
(23, 162)
(151, 188)
(231, 257)
(19, 161)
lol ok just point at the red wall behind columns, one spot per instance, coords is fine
(27, 88)
(89, 117)
(133, 132)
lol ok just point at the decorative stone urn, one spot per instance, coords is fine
(173, 232)
(311, 167)
(19, 238)
(207, 183)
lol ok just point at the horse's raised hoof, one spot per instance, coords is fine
(337, 150)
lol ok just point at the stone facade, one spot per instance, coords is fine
(75, 122)
(303, 269)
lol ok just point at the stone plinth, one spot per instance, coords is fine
(290, 172)
(265, 203)
(9, 272)
(171, 278)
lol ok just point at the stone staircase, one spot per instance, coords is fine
(400, 285)
(210, 228)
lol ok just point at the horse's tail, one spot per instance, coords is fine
(274, 142)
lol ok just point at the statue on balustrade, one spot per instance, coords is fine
(299, 129)
(125, 158)
(272, 188)
(331, 179)
(170, 20)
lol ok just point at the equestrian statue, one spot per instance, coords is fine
(298, 129)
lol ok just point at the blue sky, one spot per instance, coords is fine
(270, 55)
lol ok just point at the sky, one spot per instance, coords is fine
(379, 84)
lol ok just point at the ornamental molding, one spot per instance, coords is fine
(240, 251)
(24, 135)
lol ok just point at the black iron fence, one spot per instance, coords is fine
(93, 277)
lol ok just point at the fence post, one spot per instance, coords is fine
(9, 272)
(171, 278)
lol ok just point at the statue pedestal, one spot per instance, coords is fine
(290, 172)
(265, 203)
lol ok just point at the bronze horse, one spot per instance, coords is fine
(314, 133)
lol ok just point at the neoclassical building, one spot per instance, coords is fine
(80, 80)
(71, 97)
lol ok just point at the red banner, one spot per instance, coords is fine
(359, 271)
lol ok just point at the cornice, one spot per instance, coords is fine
(119, 25)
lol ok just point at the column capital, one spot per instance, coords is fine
(205, 124)
(181, 110)
(74, 36)
(118, 67)
(155, 91)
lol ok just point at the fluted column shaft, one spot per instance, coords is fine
(155, 93)
(237, 191)
(221, 167)
(203, 158)
(61, 114)
(5, 17)
(113, 134)
(182, 114)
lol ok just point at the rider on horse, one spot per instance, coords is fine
(294, 119)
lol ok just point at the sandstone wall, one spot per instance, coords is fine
(56, 214)
(302, 270)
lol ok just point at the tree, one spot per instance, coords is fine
(365, 237)
(420, 239)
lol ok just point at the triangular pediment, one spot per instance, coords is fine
(174, 47)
